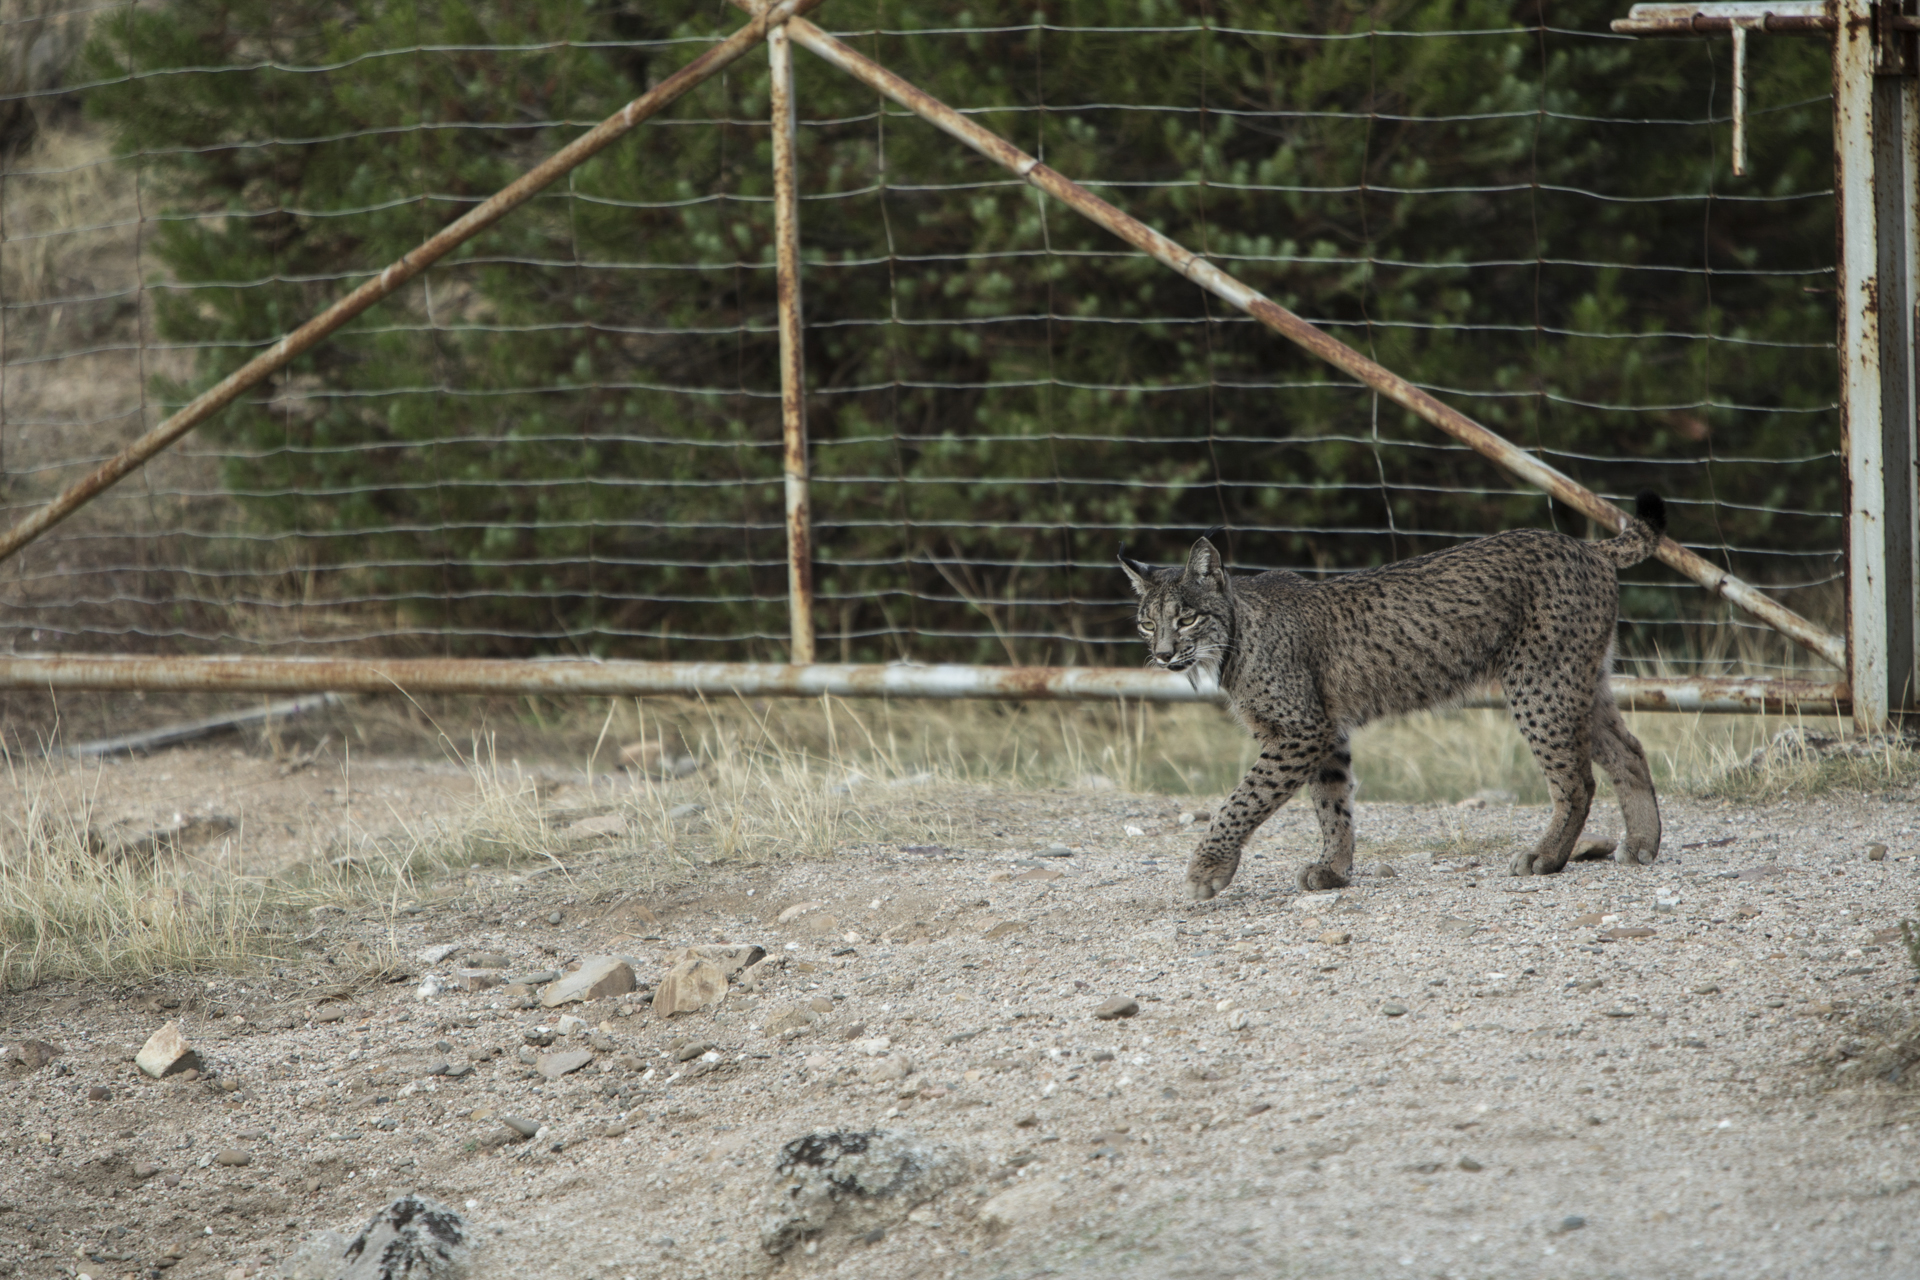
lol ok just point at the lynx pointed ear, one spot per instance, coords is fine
(1204, 561)
(1137, 573)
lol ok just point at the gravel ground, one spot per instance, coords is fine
(1443, 1071)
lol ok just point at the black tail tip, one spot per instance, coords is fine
(1652, 508)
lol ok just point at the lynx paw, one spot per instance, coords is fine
(1202, 887)
(1318, 876)
(1632, 855)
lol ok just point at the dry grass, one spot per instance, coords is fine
(774, 780)
(70, 909)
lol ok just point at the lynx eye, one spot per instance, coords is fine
(1188, 622)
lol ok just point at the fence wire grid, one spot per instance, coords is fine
(566, 439)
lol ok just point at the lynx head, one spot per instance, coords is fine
(1186, 614)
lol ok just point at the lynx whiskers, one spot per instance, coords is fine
(1304, 664)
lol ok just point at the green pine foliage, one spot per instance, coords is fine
(568, 437)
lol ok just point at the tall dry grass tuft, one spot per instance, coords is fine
(71, 908)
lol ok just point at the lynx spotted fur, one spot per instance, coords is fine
(1303, 664)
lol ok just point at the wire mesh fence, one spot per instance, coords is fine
(566, 438)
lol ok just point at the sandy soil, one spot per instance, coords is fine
(1480, 1080)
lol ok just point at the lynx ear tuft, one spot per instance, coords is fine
(1137, 573)
(1204, 561)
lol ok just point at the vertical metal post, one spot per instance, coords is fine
(1739, 100)
(1860, 382)
(793, 391)
(1894, 133)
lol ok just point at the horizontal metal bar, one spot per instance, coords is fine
(65, 672)
(1701, 19)
(1317, 341)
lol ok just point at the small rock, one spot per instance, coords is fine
(233, 1156)
(1471, 1165)
(1239, 1020)
(99, 1093)
(473, 980)
(1336, 938)
(1394, 1009)
(1309, 903)
(854, 1032)
(797, 910)
(487, 960)
(1132, 830)
(729, 958)
(792, 1018)
(1001, 928)
(1026, 1202)
(820, 1004)
(1186, 819)
(525, 1128)
(693, 983)
(1619, 935)
(167, 1053)
(597, 978)
(691, 1050)
(555, 1065)
(144, 1169)
(33, 1054)
(818, 1062)
(605, 827)
(1117, 1007)
(1876, 853)
(1572, 1222)
(430, 988)
(895, 1066)
(1056, 850)
(170, 1180)
(875, 1047)
(554, 917)
(1386, 871)
(435, 954)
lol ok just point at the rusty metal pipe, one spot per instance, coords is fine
(1516, 461)
(793, 369)
(411, 264)
(70, 673)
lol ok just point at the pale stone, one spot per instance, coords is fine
(167, 1053)
(555, 1065)
(852, 1182)
(1032, 1201)
(797, 910)
(691, 984)
(597, 978)
(731, 958)
(606, 826)
(895, 1066)
(1001, 928)
(1118, 1007)
(792, 1018)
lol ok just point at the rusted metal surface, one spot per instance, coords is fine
(1858, 316)
(69, 673)
(1324, 345)
(398, 273)
(1712, 18)
(793, 370)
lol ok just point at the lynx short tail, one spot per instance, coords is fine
(1641, 536)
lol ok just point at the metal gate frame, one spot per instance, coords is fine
(1877, 655)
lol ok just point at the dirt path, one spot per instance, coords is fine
(1481, 1080)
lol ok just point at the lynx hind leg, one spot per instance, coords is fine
(1557, 729)
(1332, 792)
(1616, 750)
(1275, 776)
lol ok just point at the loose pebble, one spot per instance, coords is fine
(1117, 1007)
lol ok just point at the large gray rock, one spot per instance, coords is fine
(413, 1238)
(852, 1182)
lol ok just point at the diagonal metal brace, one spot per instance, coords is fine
(1514, 460)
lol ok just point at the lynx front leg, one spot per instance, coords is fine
(1555, 727)
(1333, 804)
(1275, 776)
